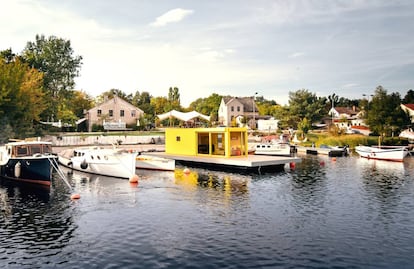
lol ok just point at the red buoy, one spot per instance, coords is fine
(133, 179)
(75, 196)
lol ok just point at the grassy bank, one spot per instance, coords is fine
(351, 140)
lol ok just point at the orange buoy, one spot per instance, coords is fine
(334, 159)
(133, 179)
(186, 171)
(75, 196)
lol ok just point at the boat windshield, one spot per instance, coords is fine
(29, 150)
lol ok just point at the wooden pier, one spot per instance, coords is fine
(238, 164)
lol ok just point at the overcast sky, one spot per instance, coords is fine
(225, 46)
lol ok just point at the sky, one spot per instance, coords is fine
(238, 48)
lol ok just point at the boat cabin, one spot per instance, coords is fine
(220, 141)
(24, 149)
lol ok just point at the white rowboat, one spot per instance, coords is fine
(154, 163)
(396, 154)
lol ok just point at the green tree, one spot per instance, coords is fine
(207, 106)
(304, 104)
(174, 99)
(21, 96)
(409, 97)
(114, 92)
(55, 58)
(385, 116)
(143, 101)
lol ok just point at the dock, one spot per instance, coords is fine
(331, 152)
(239, 164)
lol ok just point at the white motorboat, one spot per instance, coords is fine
(273, 148)
(144, 161)
(101, 161)
(387, 153)
(27, 161)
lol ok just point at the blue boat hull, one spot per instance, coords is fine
(32, 170)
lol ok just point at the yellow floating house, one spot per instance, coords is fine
(220, 141)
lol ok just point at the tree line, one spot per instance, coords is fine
(37, 86)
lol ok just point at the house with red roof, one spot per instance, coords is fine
(409, 108)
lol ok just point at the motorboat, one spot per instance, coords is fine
(387, 153)
(335, 151)
(146, 161)
(273, 148)
(111, 162)
(27, 161)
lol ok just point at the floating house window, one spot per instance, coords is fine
(111, 113)
(178, 138)
(122, 113)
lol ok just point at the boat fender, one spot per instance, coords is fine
(84, 164)
(17, 169)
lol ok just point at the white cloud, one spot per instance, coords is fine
(296, 54)
(174, 15)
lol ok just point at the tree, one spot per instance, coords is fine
(21, 96)
(409, 97)
(54, 57)
(208, 106)
(385, 115)
(174, 99)
(304, 104)
(114, 92)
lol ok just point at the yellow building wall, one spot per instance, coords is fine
(186, 141)
(181, 141)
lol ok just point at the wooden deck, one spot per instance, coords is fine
(250, 163)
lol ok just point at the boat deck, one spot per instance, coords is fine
(250, 163)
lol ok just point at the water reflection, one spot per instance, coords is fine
(384, 181)
(34, 223)
(228, 183)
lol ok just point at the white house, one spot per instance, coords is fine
(233, 107)
(409, 108)
(346, 118)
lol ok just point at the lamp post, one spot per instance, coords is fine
(254, 120)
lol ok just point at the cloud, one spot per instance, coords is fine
(296, 54)
(174, 15)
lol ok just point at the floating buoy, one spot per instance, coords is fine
(186, 171)
(334, 159)
(292, 165)
(133, 179)
(75, 196)
(322, 163)
(17, 169)
(84, 164)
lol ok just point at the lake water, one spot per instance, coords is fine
(348, 213)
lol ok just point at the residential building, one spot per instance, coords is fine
(409, 108)
(233, 107)
(346, 117)
(114, 114)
